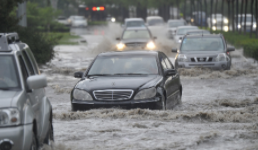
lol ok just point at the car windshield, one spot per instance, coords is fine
(8, 73)
(153, 22)
(136, 34)
(124, 65)
(135, 24)
(183, 31)
(248, 19)
(176, 24)
(78, 18)
(202, 44)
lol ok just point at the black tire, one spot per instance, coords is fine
(34, 144)
(50, 135)
(179, 99)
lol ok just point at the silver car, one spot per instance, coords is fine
(173, 24)
(25, 111)
(181, 31)
(205, 50)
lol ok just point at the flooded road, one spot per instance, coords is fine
(219, 109)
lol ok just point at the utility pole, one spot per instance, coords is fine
(21, 14)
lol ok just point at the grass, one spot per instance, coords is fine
(65, 38)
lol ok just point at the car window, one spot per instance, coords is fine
(168, 64)
(202, 44)
(28, 62)
(129, 64)
(183, 31)
(136, 34)
(25, 73)
(135, 24)
(8, 72)
(176, 24)
(157, 21)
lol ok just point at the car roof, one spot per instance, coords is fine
(203, 35)
(198, 31)
(181, 27)
(176, 20)
(137, 28)
(134, 19)
(130, 52)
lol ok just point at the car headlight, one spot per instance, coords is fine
(120, 46)
(179, 41)
(254, 25)
(221, 57)
(225, 20)
(239, 26)
(226, 28)
(214, 28)
(181, 57)
(81, 95)
(146, 93)
(9, 117)
(214, 21)
(113, 19)
(151, 45)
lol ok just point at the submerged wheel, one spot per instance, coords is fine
(34, 144)
(179, 99)
(50, 135)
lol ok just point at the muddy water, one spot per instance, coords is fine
(219, 109)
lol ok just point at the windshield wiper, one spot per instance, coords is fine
(99, 75)
(4, 89)
(130, 74)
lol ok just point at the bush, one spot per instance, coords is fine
(250, 45)
(41, 45)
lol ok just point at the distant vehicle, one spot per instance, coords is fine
(181, 31)
(198, 32)
(133, 22)
(154, 21)
(110, 19)
(209, 51)
(62, 20)
(128, 79)
(249, 24)
(79, 21)
(136, 38)
(70, 20)
(25, 111)
(199, 18)
(216, 21)
(173, 24)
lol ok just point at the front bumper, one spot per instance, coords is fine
(212, 65)
(154, 103)
(21, 136)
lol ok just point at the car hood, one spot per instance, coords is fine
(202, 53)
(136, 41)
(6, 98)
(119, 82)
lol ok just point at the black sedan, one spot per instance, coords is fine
(128, 79)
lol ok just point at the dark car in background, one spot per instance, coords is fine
(203, 51)
(128, 79)
(136, 38)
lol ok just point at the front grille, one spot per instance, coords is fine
(201, 59)
(136, 44)
(201, 65)
(113, 95)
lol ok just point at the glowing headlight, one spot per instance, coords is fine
(214, 28)
(192, 20)
(214, 21)
(254, 25)
(81, 95)
(151, 45)
(226, 28)
(146, 93)
(113, 19)
(120, 46)
(221, 57)
(181, 57)
(225, 20)
(239, 26)
(179, 41)
(9, 117)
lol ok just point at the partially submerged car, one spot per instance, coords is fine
(136, 38)
(216, 21)
(181, 31)
(133, 22)
(25, 111)
(128, 79)
(209, 51)
(173, 24)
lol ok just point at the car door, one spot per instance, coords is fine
(35, 95)
(170, 83)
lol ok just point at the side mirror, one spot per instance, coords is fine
(170, 72)
(230, 49)
(118, 39)
(37, 82)
(174, 50)
(154, 38)
(78, 74)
